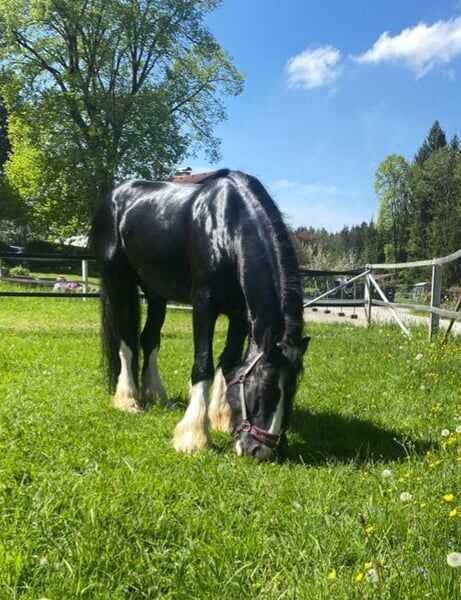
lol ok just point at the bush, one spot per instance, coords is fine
(19, 271)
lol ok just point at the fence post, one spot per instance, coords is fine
(85, 276)
(436, 296)
(368, 296)
(1, 268)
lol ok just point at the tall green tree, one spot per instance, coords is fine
(435, 140)
(100, 90)
(392, 188)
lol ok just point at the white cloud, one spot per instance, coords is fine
(313, 68)
(420, 48)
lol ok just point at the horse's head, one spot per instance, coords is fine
(260, 395)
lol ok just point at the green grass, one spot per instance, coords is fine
(96, 504)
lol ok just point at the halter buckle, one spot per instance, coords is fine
(245, 425)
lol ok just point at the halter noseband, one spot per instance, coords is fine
(265, 437)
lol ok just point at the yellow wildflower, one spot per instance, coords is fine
(453, 512)
(369, 529)
(448, 497)
(332, 574)
(368, 565)
(358, 577)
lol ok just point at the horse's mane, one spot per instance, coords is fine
(286, 260)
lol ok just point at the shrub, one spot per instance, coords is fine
(19, 271)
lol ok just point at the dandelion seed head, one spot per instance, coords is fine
(445, 433)
(386, 474)
(454, 559)
(372, 575)
(405, 496)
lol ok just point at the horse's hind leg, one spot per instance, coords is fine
(219, 411)
(191, 433)
(152, 387)
(121, 327)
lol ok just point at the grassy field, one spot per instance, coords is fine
(365, 502)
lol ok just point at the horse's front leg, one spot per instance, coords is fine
(219, 411)
(191, 433)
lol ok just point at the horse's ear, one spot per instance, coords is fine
(304, 344)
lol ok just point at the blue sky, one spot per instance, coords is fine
(328, 95)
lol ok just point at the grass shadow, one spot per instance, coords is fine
(318, 438)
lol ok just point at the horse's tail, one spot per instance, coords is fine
(120, 310)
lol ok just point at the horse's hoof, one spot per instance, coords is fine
(189, 440)
(126, 402)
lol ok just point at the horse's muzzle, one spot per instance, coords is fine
(247, 445)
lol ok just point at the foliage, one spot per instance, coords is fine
(420, 203)
(4, 140)
(96, 504)
(19, 271)
(391, 185)
(357, 245)
(435, 140)
(99, 90)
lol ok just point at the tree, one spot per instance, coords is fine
(106, 89)
(435, 140)
(4, 140)
(392, 188)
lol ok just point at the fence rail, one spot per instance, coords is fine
(367, 273)
(370, 277)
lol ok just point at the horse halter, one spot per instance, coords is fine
(265, 437)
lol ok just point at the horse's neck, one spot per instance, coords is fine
(259, 285)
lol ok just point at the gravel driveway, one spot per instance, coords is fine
(379, 314)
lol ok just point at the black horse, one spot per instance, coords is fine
(220, 245)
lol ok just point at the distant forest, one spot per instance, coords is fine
(419, 214)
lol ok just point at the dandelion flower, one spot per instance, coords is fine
(386, 474)
(445, 433)
(453, 513)
(448, 497)
(369, 529)
(368, 565)
(360, 576)
(332, 574)
(454, 559)
(405, 496)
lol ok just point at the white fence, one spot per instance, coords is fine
(368, 276)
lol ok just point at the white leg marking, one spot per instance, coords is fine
(152, 387)
(125, 393)
(219, 411)
(238, 448)
(277, 419)
(191, 433)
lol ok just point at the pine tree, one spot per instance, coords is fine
(435, 140)
(454, 142)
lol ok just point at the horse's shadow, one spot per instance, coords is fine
(319, 438)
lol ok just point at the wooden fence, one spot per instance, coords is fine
(368, 275)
